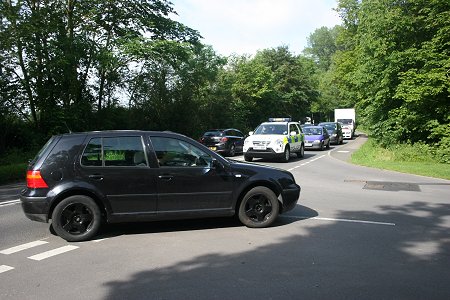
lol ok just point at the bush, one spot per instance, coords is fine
(13, 172)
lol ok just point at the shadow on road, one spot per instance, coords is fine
(330, 260)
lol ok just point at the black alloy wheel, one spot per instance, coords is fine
(76, 218)
(259, 207)
(232, 151)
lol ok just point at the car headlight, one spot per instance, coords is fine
(317, 141)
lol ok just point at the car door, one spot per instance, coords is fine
(294, 140)
(187, 181)
(117, 166)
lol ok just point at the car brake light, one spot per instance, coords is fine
(35, 180)
(224, 139)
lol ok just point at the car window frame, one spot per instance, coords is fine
(103, 164)
(158, 165)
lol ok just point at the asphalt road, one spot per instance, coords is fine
(357, 233)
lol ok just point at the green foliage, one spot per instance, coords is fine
(13, 172)
(393, 63)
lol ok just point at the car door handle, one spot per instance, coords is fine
(165, 177)
(96, 176)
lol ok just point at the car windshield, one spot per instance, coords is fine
(213, 133)
(312, 131)
(345, 121)
(268, 128)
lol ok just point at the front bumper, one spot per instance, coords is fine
(290, 198)
(268, 153)
(313, 145)
(35, 208)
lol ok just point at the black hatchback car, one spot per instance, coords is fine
(225, 141)
(79, 180)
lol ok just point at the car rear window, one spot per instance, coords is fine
(41, 152)
(213, 133)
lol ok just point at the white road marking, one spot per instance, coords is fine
(305, 163)
(23, 247)
(53, 252)
(99, 240)
(343, 151)
(5, 268)
(342, 220)
(11, 202)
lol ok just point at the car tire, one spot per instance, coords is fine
(232, 151)
(322, 146)
(248, 158)
(301, 153)
(259, 207)
(76, 218)
(328, 144)
(286, 154)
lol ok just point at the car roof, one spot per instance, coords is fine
(123, 132)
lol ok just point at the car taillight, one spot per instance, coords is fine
(35, 180)
(224, 139)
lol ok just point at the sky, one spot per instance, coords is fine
(246, 26)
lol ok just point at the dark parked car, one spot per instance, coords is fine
(225, 141)
(79, 180)
(316, 137)
(335, 131)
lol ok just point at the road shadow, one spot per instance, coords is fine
(313, 260)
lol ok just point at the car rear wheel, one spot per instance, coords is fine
(301, 153)
(232, 151)
(76, 218)
(259, 207)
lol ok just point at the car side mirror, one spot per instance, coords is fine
(216, 164)
(293, 133)
(250, 133)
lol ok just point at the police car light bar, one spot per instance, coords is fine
(279, 119)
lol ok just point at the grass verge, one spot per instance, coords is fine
(12, 173)
(401, 158)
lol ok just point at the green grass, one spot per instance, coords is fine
(12, 173)
(401, 158)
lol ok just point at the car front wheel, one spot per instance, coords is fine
(76, 218)
(259, 207)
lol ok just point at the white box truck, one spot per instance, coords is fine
(347, 117)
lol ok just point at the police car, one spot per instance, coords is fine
(277, 138)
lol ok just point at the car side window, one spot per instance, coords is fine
(125, 151)
(92, 155)
(292, 127)
(172, 152)
(239, 134)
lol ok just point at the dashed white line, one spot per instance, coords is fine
(343, 151)
(23, 247)
(5, 268)
(53, 252)
(342, 220)
(11, 202)
(305, 163)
